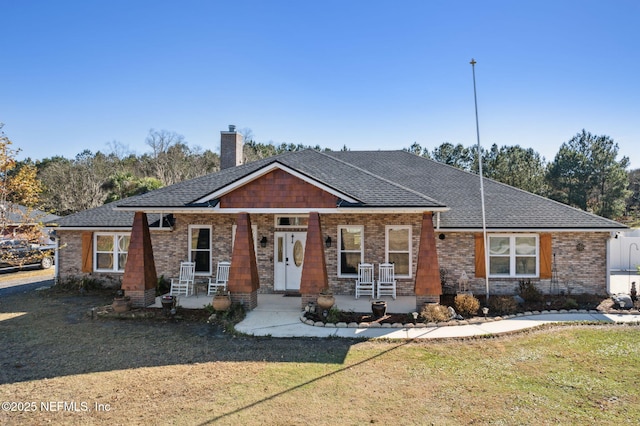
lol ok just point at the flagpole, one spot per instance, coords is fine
(484, 219)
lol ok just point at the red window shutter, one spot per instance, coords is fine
(87, 252)
(480, 261)
(546, 255)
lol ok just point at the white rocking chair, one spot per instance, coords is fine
(364, 283)
(386, 280)
(184, 284)
(222, 276)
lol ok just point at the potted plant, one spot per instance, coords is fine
(379, 308)
(221, 300)
(121, 303)
(168, 304)
(325, 299)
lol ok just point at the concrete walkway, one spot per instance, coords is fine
(276, 316)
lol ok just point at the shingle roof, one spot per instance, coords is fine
(102, 217)
(17, 215)
(505, 206)
(381, 179)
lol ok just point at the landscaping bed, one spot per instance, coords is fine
(501, 307)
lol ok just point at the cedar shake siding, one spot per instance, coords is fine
(278, 189)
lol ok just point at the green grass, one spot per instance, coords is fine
(570, 375)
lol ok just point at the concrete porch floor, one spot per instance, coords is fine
(280, 302)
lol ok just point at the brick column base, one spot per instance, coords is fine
(424, 300)
(248, 300)
(306, 298)
(140, 298)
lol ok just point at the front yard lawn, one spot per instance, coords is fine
(154, 372)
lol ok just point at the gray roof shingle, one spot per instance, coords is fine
(381, 179)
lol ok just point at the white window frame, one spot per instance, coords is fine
(340, 251)
(513, 255)
(115, 252)
(294, 226)
(210, 249)
(409, 244)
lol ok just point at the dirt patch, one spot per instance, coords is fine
(50, 334)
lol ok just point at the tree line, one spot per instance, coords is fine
(585, 173)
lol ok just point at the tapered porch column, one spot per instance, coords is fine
(428, 288)
(243, 281)
(140, 278)
(314, 269)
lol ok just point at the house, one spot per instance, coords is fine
(21, 222)
(300, 221)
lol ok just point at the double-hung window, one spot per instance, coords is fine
(350, 250)
(398, 248)
(513, 255)
(111, 250)
(200, 248)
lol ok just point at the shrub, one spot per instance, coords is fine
(435, 313)
(502, 305)
(79, 283)
(334, 315)
(226, 319)
(466, 305)
(529, 292)
(163, 286)
(571, 303)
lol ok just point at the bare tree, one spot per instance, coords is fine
(74, 185)
(168, 154)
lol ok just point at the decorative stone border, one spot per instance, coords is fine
(474, 320)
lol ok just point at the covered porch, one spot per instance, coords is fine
(421, 286)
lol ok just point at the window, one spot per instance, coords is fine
(513, 256)
(200, 248)
(398, 248)
(292, 221)
(350, 250)
(110, 252)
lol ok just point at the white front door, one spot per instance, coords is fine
(288, 260)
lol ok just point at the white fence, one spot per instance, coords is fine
(623, 261)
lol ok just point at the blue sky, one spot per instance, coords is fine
(78, 75)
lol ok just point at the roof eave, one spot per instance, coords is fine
(533, 229)
(282, 210)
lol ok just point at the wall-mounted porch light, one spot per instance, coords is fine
(327, 242)
(263, 242)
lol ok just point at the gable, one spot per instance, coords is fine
(278, 189)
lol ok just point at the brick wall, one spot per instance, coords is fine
(578, 271)
(374, 246)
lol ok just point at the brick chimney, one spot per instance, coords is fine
(230, 148)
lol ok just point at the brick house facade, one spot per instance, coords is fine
(578, 271)
(393, 205)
